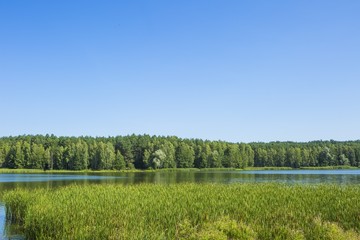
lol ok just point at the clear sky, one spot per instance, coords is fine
(238, 71)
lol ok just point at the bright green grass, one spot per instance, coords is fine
(329, 167)
(303, 168)
(267, 168)
(6, 170)
(23, 170)
(188, 211)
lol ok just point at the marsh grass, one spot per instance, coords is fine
(330, 167)
(267, 168)
(188, 211)
(302, 168)
(25, 171)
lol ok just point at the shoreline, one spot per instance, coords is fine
(25, 171)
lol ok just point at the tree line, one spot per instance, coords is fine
(154, 152)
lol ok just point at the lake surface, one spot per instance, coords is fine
(52, 180)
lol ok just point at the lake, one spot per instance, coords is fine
(52, 180)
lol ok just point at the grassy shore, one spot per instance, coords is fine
(188, 211)
(301, 168)
(6, 170)
(267, 168)
(329, 168)
(25, 171)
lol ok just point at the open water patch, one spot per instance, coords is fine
(4, 227)
(2, 221)
(49, 177)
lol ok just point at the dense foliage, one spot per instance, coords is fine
(188, 211)
(144, 152)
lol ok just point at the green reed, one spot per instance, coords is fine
(188, 211)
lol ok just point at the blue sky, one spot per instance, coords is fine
(238, 71)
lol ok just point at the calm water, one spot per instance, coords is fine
(48, 180)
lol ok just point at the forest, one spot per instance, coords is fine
(155, 152)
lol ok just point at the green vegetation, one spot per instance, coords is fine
(24, 170)
(188, 211)
(304, 168)
(154, 152)
(329, 167)
(267, 168)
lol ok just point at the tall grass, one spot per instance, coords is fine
(188, 211)
(303, 168)
(267, 168)
(330, 167)
(22, 170)
(25, 171)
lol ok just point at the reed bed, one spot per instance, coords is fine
(267, 168)
(25, 171)
(330, 168)
(188, 211)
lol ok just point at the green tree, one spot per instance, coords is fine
(79, 159)
(293, 156)
(46, 162)
(119, 162)
(157, 160)
(125, 147)
(202, 156)
(20, 158)
(3, 154)
(146, 157)
(261, 157)
(246, 155)
(109, 156)
(93, 155)
(214, 160)
(57, 158)
(184, 156)
(350, 154)
(15, 156)
(325, 157)
(305, 156)
(105, 156)
(26, 148)
(297, 158)
(68, 156)
(232, 156)
(38, 156)
(313, 157)
(280, 157)
(169, 150)
(10, 158)
(343, 160)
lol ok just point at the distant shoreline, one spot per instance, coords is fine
(7, 170)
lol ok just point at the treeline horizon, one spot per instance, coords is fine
(154, 152)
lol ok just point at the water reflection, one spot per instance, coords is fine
(2, 221)
(49, 177)
(30, 181)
